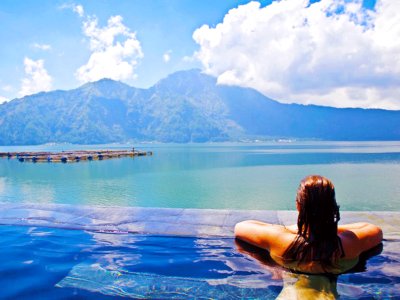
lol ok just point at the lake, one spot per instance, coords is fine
(221, 176)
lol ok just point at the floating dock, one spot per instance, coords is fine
(72, 156)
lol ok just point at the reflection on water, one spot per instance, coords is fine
(61, 264)
(45, 191)
(2, 185)
(300, 286)
(225, 176)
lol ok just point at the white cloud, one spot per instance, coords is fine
(115, 51)
(7, 88)
(43, 47)
(332, 52)
(3, 99)
(79, 10)
(167, 56)
(188, 59)
(36, 77)
(76, 8)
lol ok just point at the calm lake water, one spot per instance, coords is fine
(223, 176)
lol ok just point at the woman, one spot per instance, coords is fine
(316, 244)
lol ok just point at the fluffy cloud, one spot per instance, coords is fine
(7, 88)
(43, 47)
(167, 56)
(76, 8)
(79, 10)
(36, 77)
(332, 52)
(115, 51)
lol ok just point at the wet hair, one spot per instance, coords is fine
(317, 238)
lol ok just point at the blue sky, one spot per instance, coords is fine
(340, 53)
(161, 27)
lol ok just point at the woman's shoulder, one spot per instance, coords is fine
(359, 237)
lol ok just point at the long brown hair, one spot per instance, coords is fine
(317, 238)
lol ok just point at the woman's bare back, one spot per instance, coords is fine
(356, 238)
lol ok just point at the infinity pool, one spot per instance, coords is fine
(50, 263)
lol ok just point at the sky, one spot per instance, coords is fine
(341, 53)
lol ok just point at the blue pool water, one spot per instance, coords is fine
(48, 263)
(218, 176)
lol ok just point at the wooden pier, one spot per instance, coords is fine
(72, 156)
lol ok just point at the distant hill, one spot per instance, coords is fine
(187, 106)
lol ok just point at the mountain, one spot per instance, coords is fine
(187, 106)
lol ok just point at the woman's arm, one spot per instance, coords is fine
(263, 235)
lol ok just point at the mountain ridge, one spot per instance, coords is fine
(186, 106)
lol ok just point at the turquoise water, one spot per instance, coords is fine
(231, 176)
